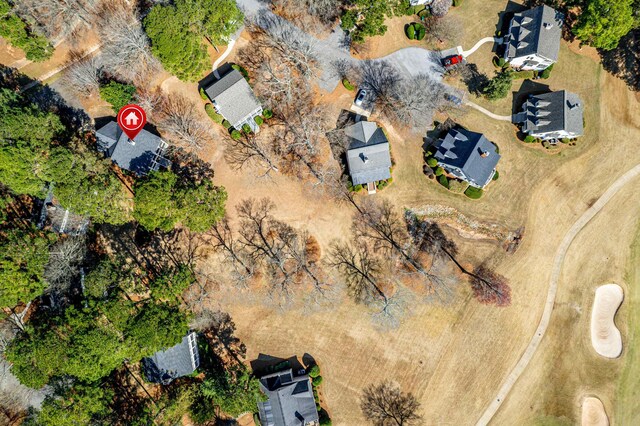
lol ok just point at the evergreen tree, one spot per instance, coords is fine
(80, 404)
(498, 87)
(117, 94)
(603, 23)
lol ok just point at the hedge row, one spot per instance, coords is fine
(347, 84)
(211, 112)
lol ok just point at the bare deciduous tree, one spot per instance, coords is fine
(219, 329)
(385, 404)
(83, 75)
(59, 18)
(63, 268)
(184, 122)
(308, 13)
(441, 30)
(250, 150)
(490, 287)
(125, 46)
(440, 8)
(222, 240)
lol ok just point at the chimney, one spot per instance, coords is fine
(131, 141)
(574, 106)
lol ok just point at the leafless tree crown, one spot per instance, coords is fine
(385, 404)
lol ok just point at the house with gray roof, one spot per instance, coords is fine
(553, 115)
(533, 40)
(177, 361)
(143, 154)
(233, 98)
(368, 155)
(290, 400)
(468, 156)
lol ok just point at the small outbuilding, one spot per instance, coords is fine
(177, 361)
(468, 156)
(140, 155)
(533, 40)
(233, 98)
(553, 115)
(368, 155)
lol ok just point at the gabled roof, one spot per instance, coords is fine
(233, 97)
(290, 402)
(177, 361)
(368, 156)
(552, 112)
(536, 30)
(469, 152)
(142, 155)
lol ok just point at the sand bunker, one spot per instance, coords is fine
(605, 336)
(593, 413)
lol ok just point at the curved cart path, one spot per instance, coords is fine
(526, 357)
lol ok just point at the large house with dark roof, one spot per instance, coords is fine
(233, 98)
(533, 40)
(468, 156)
(143, 154)
(177, 361)
(290, 400)
(368, 155)
(553, 115)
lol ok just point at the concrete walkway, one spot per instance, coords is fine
(528, 354)
(488, 113)
(466, 53)
(226, 53)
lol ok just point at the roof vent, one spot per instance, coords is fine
(131, 141)
(574, 106)
(484, 153)
(365, 159)
(547, 25)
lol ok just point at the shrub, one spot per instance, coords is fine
(317, 381)
(564, 140)
(389, 181)
(203, 94)
(246, 128)
(226, 124)
(235, 135)
(356, 188)
(242, 71)
(499, 62)
(315, 370)
(432, 162)
(473, 192)
(411, 32)
(259, 121)
(546, 73)
(267, 114)
(529, 139)
(117, 94)
(211, 112)
(496, 175)
(324, 418)
(457, 3)
(443, 181)
(439, 171)
(420, 31)
(347, 84)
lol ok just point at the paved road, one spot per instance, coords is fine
(488, 113)
(528, 354)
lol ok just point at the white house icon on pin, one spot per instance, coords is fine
(131, 119)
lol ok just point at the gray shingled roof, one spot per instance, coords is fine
(233, 97)
(552, 112)
(290, 402)
(368, 156)
(536, 30)
(142, 156)
(460, 153)
(177, 361)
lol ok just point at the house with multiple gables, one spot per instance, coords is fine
(552, 116)
(533, 40)
(233, 98)
(140, 155)
(177, 361)
(468, 156)
(368, 154)
(290, 400)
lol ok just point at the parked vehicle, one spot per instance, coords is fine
(362, 94)
(453, 99)
(452, 60)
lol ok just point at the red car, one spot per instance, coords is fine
(452, 60)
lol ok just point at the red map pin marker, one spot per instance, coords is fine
(131, 119)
